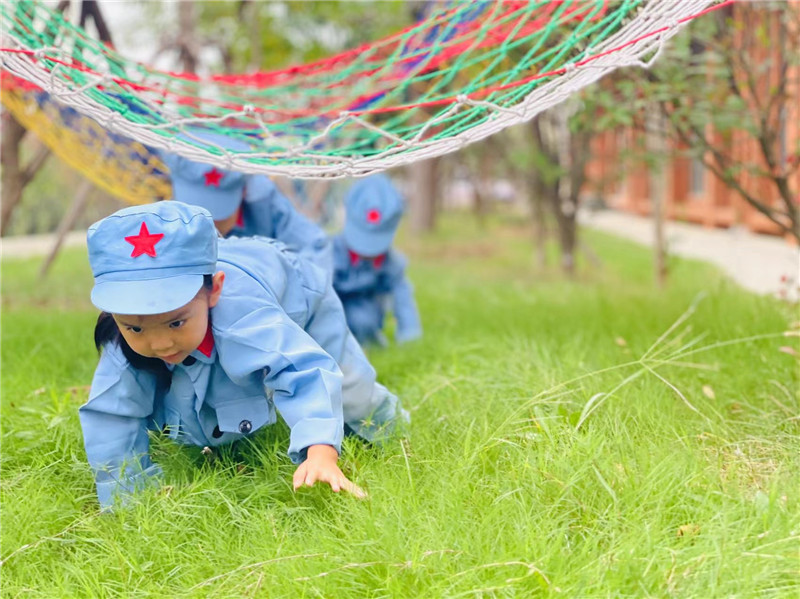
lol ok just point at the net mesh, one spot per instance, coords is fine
(468, 70)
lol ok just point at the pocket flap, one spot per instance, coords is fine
(245, 415)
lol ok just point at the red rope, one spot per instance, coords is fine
(333, 111)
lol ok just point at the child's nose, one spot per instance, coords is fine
(160, 341)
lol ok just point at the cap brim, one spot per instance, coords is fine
(221, 203)
(368, 244)
(151, 296)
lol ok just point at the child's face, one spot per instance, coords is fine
(226, 225)
(171, 336)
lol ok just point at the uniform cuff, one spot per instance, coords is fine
(315, 431)
(113, 490)
(388, 419)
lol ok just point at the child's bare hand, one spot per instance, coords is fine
(321, 465)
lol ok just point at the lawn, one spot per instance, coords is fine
(595, 438)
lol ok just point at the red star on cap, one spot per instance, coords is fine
(144, 242)
(373, 216)
(213, 177)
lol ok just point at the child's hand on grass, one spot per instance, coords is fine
(321, 465)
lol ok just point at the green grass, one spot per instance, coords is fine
(547, 457)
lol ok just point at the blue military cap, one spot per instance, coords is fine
(373, 209)
(217, 190)
(151, 259)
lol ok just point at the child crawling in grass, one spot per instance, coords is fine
(203, 338)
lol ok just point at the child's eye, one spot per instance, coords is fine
(134, 329)
(177, 324)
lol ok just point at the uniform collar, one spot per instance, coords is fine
(206, 351)
(377, 261)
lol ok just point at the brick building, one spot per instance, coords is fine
(691, 192)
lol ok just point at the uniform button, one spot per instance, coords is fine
(189, 360)
(245, 426)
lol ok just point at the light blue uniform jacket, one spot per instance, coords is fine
(278, 331)
(365, 289)
(267, 212)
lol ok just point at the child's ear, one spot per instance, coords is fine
(216, 289)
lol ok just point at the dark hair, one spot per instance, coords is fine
(106, 331)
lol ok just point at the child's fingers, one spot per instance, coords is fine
(337, 481)
(353, 489)
(299, 477)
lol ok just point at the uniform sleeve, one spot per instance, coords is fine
(114, 423)
(404, 306)
(298, 232)
(253, 333)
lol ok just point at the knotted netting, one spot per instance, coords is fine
(466, 71)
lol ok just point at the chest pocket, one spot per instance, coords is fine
(244, 415)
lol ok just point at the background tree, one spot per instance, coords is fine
(17, 173)
(719, 86)
(250, 35)
(547, 159)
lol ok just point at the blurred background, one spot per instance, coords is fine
(709, 136)
(593, 414)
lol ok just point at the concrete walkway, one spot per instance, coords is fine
(760, 263)
(25, 246)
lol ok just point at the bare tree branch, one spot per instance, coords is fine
(35, 163)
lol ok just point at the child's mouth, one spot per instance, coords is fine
(172, 358)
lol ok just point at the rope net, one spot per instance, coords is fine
(465, 72)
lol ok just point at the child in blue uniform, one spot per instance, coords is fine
(204, 338)
(245, 205)
(367, 273)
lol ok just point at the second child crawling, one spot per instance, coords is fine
(208, 337)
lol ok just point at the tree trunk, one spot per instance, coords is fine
(77, 208)
(566, 154)
(248, 10)
(90, 9)
(424, 197)
(567, 236)
(12, 178)
(658, 185)
(536, 198)
(187, 45)
(479, 196)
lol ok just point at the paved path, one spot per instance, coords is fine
(25, 246)
(761, 263)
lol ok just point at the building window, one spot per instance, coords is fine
(697, 178)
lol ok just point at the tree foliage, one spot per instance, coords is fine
(254, 35)
(731, 81)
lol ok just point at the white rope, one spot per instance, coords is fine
(300, 159)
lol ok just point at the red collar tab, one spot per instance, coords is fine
(240, 217)
(213, 177)
(377, 261)
(207, 344)
(144, 242)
